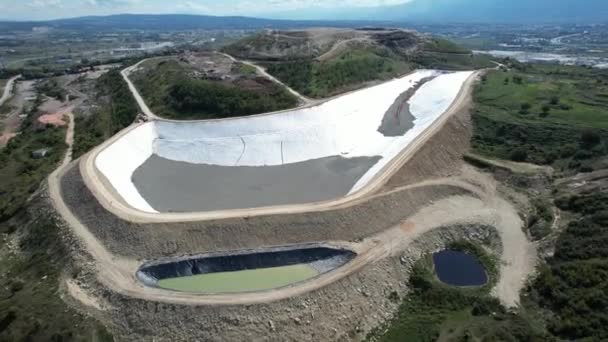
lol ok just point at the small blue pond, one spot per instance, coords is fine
(459, 269)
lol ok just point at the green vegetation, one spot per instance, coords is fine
(359, 64)
(539, 223)
(30, 306)
(433, 311)
(20, 173)
(171, 91)
(557, 115)
(51, 88)
(119, 111)
(551, 115)
(342, 73)
(245, 69)
(241, 281)
(574, 283)
(3, 83)
(443, 54)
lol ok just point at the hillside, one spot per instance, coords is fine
(205, 86)
(324, 62)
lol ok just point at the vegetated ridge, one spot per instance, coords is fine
(324, 62)
(207, 85)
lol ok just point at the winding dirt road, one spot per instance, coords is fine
(305, 101)
(8, 89)
(140, 101)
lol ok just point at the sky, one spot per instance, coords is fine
(53, 9)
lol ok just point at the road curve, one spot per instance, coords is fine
(140, 101)
(8, 89)
(111, 202)
(303, 99)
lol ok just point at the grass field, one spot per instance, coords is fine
(241, 281)
(543, 114)
(554, 96)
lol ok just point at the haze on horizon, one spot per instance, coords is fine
(59, 9)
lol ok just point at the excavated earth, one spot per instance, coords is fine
(344, 310)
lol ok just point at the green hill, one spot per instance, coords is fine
(325, 62)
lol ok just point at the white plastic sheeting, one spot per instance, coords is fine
(119, 160)
(346, 126)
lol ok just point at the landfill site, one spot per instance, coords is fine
(250, 228)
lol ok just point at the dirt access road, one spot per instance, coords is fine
(517, 261)
(304, 101)
(8, 89)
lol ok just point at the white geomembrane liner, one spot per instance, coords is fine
(346, 126)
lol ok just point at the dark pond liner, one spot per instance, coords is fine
(459, 269)
(322, 258)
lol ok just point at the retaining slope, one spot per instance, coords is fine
(154, 240)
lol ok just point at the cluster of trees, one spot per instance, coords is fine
(322, 79)
(119, 110)
(505, 129)
(191, 98)
(568, 147)
(20, 173)
(574, 283)
(52, 89)
(173, 90)
(431, 305)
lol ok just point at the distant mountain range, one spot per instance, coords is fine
(416, 11)
(468, 11)
(177, 22)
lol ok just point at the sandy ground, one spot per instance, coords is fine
(55, 111)
(517, 261)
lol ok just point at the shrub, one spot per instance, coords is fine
(545, 111)
(590, 138)
(520, 154)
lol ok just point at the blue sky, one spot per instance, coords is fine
(50, 9)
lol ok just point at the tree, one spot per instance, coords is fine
(520, 154)
(545, 111)
(590, 138)
(554, 100)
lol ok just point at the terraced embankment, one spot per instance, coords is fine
(420, 201)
